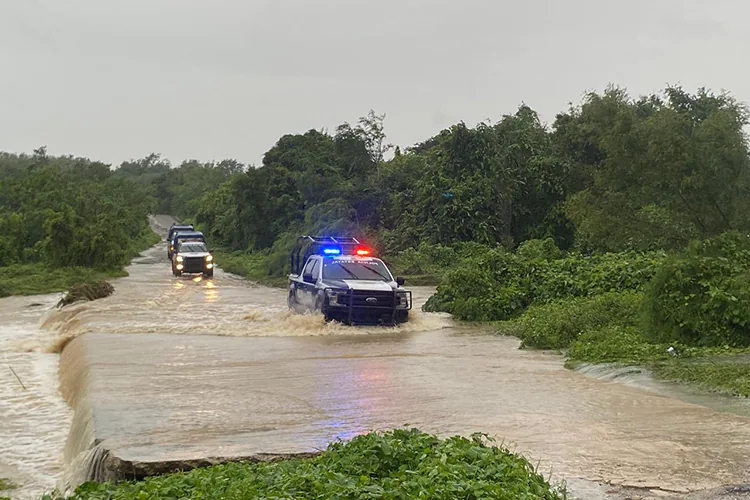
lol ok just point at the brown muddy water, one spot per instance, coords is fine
(180, 368)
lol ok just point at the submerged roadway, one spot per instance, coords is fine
(178, 369)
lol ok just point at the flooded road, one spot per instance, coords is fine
(180, 368)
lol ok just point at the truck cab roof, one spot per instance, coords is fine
(174, 228)
(181, 235)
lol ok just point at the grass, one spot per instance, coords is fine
(398, 464)
(730, 376)
(36, 279)
(248, 265)
(6, 485)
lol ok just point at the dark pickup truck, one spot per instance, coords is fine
(340, 278)
(173, 230)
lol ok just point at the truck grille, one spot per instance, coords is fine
(193, 265)
(384, 299)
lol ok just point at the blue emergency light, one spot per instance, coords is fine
(331, 251)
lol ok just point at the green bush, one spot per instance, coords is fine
(395, 465)
(539, 249)
(701, 297)
(436, 259)
(499, 285)
(559, 324)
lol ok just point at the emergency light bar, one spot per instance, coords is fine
(361, 251)
(327, 246)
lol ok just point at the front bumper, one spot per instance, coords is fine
(194, 265)
(367, 307)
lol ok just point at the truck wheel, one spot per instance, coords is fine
(290, 302)
(209, 274)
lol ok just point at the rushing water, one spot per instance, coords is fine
(34, 419)
(178, 368)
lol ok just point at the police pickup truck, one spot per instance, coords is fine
(192, 256)
(340, 278)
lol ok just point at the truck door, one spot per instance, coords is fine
(306, 290)
(314, 287)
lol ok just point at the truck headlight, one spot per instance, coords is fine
(334, 296)
(179, 258)
(209, 258)
(403, 300)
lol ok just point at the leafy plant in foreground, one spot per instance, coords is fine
(399, 464)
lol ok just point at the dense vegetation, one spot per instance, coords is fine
(395, 465)
(65, 220)
(611, 175)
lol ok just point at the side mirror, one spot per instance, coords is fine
(211, 252)
(400, 281)
(308, 278)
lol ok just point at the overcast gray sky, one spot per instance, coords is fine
(213, 79)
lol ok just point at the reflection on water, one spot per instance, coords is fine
(211, 293)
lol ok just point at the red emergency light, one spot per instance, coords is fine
(363, 252)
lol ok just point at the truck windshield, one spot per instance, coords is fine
(351, 270)
(193, 246)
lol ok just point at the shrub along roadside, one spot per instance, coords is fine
(701, 296)
(252, 266)
(396, 464)
(499, 285)
(558, 325)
